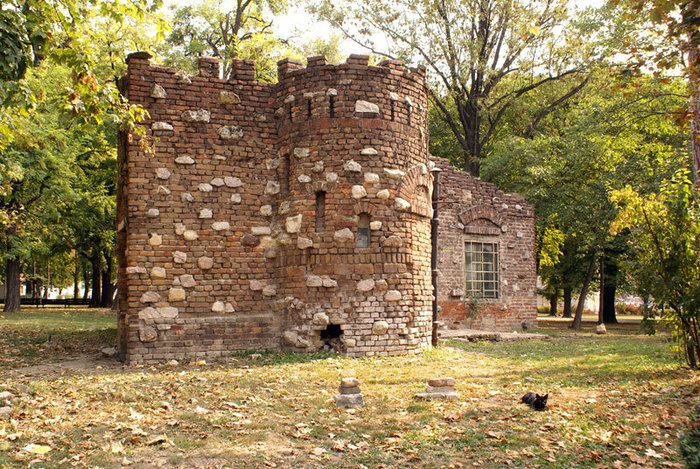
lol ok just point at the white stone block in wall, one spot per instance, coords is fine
(365, 107)
(371, 178)
(161, 126)
(301, 152)
(366, 285)
(343, 235)
(157, 272)
(231, 181)
(394, 173)
(158, 92)
(184, 160)
(162, 173)
(401, 205)
(220, 226)
(272, 188)
(358, 192)
(293, 224)
(352, 166)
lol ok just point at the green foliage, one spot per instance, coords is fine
(487, 61)
(243, 31)
(329, 47)
(617, 132)
(34, 31)
(58, 128)
(665, 233)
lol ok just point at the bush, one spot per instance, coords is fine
(543, 309)
(690, 440)
(624, 308)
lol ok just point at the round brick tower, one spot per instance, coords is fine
(353, 265)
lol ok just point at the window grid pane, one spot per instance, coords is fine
(481, 260)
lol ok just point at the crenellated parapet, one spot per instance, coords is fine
(297, 215)
(260, 216)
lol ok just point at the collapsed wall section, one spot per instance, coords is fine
(486, 261)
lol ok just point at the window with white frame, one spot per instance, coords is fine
(481, 261)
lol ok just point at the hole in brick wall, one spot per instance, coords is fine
(330, 337)
(291, 118)
(393, 111)
(409, 115)
(308, 108)
(331, 105)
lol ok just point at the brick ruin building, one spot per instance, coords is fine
(297, 215)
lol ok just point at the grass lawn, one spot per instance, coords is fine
(618, 400)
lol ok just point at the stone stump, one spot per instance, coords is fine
(350, 394)
(439, 388)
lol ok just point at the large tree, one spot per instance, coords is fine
(617, 132)
(52, 95)
(665, 229)
(682, 19)
(485, 57)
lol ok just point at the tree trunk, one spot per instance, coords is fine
(76, 289)
(86, 281)
(567, 302)
(609, 314)
(33, 283)
(610, 289)
(576, 323)
(107, 290)
(115, 303)
(695, 113)
(470, 118)
(553, 301)
(96, 264)
(602, 286)
(12, 285)
(48, 280)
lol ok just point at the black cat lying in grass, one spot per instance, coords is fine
(535, 401)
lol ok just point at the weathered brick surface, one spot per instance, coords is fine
(220, 248)
(472, 210)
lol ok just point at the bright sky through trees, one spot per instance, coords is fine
(303, 27)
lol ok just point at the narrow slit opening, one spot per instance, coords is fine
(320, 211)
(331, 104)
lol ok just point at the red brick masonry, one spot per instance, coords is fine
(239, 211)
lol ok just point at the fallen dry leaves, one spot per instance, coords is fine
(277, 410)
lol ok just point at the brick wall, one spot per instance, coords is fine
(472, 210)
(240, 213)
(219, 249)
